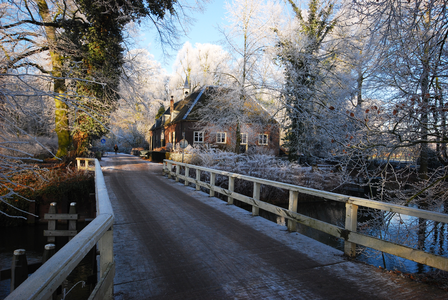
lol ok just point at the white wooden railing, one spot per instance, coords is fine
(44, 282)
(349, 233)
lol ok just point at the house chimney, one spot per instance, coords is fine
(172, 104)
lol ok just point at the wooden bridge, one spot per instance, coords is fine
(175, 242)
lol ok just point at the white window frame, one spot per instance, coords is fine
(198, 137)
(263, 139)
(243, 138)
(221, 137)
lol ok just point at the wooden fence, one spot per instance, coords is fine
(349, 233)
(42, 283)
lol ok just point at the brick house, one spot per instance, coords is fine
(181, 119)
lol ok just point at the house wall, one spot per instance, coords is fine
(189, 127)
(186, 127)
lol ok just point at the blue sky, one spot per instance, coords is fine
(204, 30)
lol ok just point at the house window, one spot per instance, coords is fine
(198, 137)
(221, 137)
(244, 139)
(262, 139)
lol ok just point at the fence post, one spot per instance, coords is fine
(293, 201)
(19, 268)
(169, 169)
(351, 223)
(187, 173)
(256, 196)
(177, 172)
(78, 162)
(49, 251)
(198, 178)
(52, 223)
(212, 184)
(72, 223)
(231, 189)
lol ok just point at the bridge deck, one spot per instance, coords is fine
(172, 242)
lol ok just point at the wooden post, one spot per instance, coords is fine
(78, 162)
(212, 184)
(198, 178)
(177, 172)
(231, 189)
(52, 216)
(72, 223)
(293, 201)
(49, 251)
(169, 169)
(351, 223)
(107, 260)
(52, 223)
(256, 196)
(19, 268)
(187, 173)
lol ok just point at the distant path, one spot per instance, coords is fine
(172, 242)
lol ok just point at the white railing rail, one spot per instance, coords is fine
(44, 282)
(349, 233)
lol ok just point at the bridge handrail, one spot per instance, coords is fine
(44, 282)
(349, 233)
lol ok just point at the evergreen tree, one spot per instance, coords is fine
(302, 64)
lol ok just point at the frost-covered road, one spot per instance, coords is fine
(172, 242)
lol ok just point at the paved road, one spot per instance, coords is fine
(172, 242)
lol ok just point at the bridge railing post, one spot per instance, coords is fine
(351, 223)
(231, 189)
(293, 202)
(212, 184)
(169, 169)
(105, 245)
(256, 196)
(187, 173)
(198, 178)
(177, 172)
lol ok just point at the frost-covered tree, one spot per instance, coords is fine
(66, 44)
(306, 61)
(142, 93)
(203, 64)
(80, 41)
(409, 76)
(248, 36)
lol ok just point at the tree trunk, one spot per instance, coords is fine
(238, 138)
(61, 108)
